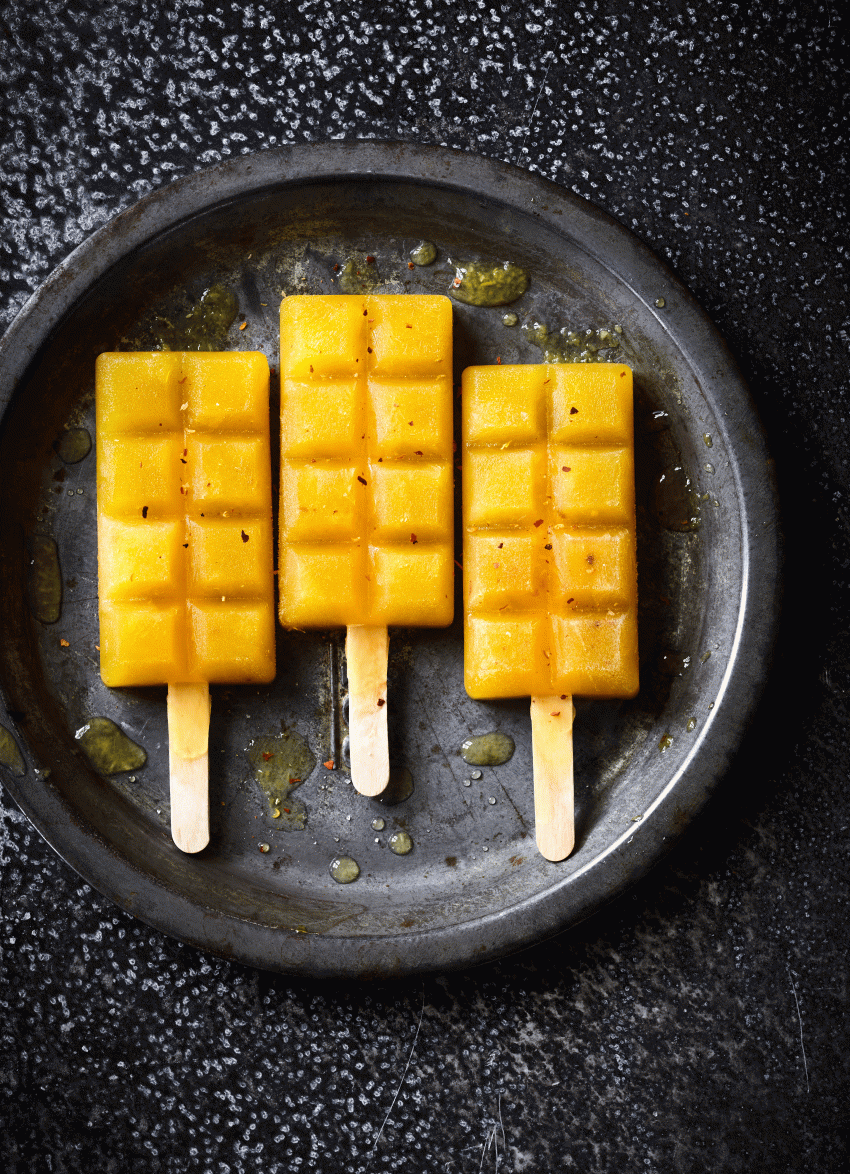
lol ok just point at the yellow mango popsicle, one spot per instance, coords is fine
(550, 572)
(366, 492)
(186, 592)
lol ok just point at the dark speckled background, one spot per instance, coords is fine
(700, 1023)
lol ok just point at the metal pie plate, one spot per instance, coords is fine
(474, 886)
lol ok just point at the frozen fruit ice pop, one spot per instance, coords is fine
(186, 592)
(550, 573)
(366, 492)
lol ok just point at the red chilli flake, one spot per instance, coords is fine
(555, 713)
(413, 539)
(370, 260)
(267, 754)
(565, 468)
(144, 511)
(245, 536)
(573, 411)
(410, 265)
(362, 480)
(539, 522)
(329, 765)
(381, 702)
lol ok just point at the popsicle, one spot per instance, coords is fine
(550, 572)
(186, 595)
(366, 486)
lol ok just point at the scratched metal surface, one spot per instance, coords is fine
(474, 885)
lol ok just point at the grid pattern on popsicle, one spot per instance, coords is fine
(184, 518)
(550, 573)
(366, 513)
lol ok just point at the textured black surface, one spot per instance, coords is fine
(701, 1022)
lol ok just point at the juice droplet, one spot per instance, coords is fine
(660, 303)
(281, 765)
(73, 445)
(676, 501)
(510, 319)
(344, 870)
(401, 843)
(10, 755)
(692, 724)
(399, 788)
(425, 253)
(358, 275)
(665, 743)
(479, 283)
(378, 825)
(574, 346)
(44, 579)
(488, 749)
(108, 748)
(205, 326)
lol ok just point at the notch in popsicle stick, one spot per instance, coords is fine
(552, 756)
(366, 652)
(188, 758)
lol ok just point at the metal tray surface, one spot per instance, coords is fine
(473, 887)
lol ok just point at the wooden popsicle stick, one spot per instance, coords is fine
(552, 756)
(188, 758)
(366, 651)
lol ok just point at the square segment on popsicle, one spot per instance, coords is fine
(550, 572)
(366, 514)
(184, 518)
